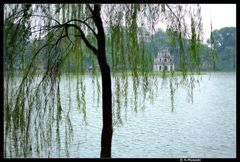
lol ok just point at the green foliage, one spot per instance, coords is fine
(62, 40)
(225, 45)
(16, 39)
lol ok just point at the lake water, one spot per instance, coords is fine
(205, 128)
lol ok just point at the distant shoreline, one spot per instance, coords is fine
(129, 73)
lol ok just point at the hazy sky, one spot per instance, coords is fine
(221, 15)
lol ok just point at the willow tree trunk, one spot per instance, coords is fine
(106, 139)
(107, 130)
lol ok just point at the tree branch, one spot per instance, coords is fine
(82, 35)
(84, 24)
(173, 13)
(15, 14)
(66, 30)
(48, 18)
(91, 10)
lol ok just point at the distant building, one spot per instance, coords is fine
(163, 61)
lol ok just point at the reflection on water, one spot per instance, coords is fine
(205, 128)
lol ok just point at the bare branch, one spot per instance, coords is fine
(173, 13)
(48, 18)
(66, 29)
(14, 15)
(60, 38)
(82, 35)
(88, 18)
(179, 22)
(91, 10)
(84, 24)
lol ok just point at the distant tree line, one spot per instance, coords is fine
(226, 48)
(149, 45)
(225, 40)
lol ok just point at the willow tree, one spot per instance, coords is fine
(61, 32)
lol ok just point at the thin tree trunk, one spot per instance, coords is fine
(107, 130)
(106, 139)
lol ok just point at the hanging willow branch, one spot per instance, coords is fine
(54, 40)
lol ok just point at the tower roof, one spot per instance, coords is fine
(163, 57)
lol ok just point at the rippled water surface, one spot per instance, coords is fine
(205, 128)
